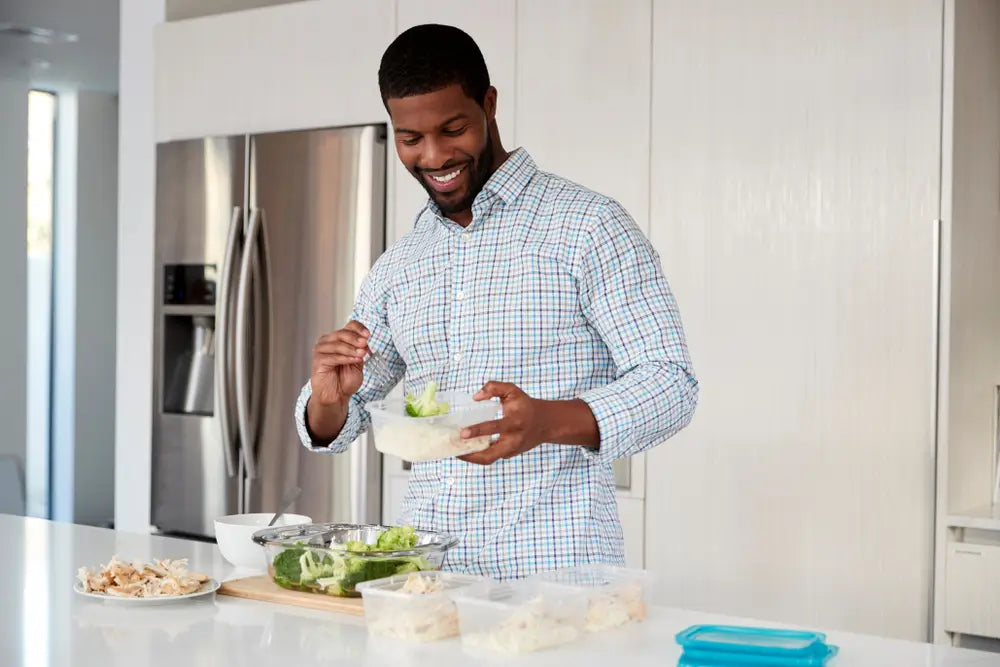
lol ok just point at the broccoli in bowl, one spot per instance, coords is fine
(334, 558)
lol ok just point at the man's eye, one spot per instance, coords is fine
(454, 132)
(411, 141)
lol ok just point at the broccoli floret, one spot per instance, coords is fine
(397, 538)
(425, 406)
(287, 566)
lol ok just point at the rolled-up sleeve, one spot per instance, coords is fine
(382, 372)
(626, 299)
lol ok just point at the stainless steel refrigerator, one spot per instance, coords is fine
(262, 242)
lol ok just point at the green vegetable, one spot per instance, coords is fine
(286, 565)
(312, 569)
(397, 538)
(426, 406)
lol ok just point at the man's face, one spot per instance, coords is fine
(443, 139)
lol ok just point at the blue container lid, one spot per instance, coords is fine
(770, 642)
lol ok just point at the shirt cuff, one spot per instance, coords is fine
(352, 427)
(614, 424)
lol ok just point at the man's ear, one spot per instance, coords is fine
(490, 104)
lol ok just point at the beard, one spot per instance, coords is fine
(479, 168)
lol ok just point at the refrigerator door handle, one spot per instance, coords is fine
(261, 267)
(223, 390)
(240, 362)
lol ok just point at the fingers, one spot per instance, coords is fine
(489, 455)
(343, 349)
(356, 327)
(501, 390)
(483, 428)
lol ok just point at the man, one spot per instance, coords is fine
(518, 285)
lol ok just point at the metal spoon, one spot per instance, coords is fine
(286, 502)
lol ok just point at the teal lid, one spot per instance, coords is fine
(753, 646)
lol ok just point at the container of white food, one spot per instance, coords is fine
(520, 616)
(427, 438)
(417, 606)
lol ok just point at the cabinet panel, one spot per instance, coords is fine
(795, 176)
(972, 605)
(291, 66)
(583, 94)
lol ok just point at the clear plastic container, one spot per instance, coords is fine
(615, 595)
(427, 438)
(514, 617)
(337, 569)
(417, 606)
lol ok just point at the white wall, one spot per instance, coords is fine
(136, 197)
(795, 190)
(13, 265)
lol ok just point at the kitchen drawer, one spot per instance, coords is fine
(972, 589)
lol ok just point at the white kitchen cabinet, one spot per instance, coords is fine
(583, 92)
(795, 188)
(972, 605)
(290, 66)
(491, 24)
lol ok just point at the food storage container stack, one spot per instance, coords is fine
(418, 606)
(515, 617)
(615, 595)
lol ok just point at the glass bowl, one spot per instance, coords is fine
(333, 558)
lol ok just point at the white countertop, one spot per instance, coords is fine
(44, 623)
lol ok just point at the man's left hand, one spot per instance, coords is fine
(522, 427)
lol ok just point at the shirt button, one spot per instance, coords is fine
(466, 237)
(459, 295)
(458, 357)
(450, 481)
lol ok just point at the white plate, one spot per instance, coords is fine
(207, 588)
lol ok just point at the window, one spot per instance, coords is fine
(41, 199)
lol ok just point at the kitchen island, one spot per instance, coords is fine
(45, 623)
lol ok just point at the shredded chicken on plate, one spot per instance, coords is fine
(161, 578)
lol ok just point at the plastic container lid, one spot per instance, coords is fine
(739, 645)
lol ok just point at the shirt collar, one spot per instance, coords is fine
(505, 184)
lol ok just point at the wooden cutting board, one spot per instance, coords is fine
(262, 588)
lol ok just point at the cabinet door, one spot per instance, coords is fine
(582, 103)
(795, 175)
(491, 24)
(972, 581)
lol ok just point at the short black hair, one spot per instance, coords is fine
(429, 57)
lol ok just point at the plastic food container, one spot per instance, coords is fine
(319, 558)
(427, 438)
(732, 645)
(615, 595)
(417, 606)
(516, 617)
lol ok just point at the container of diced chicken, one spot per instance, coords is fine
(429, 426)
(615, 595)
(418, 606)
(520, 616)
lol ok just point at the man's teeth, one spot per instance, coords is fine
(447, 177)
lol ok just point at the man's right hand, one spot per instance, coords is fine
(337, 372)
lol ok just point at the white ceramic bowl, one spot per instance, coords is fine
(233, 534)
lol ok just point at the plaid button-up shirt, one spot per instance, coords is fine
(554, 288)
